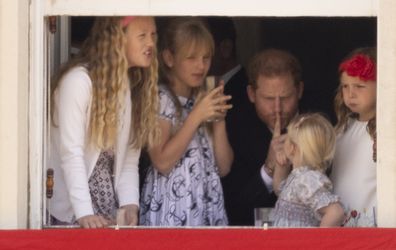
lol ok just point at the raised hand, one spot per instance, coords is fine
(281, 158)
(212, 105)
(276, 154)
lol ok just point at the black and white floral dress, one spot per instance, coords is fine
(191, 194)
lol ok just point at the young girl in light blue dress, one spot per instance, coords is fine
(305, 197)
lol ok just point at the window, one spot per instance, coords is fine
(355, 15)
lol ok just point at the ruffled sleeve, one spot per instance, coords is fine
(316, 191)
(167, 110)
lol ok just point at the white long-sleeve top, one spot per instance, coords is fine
(73, 160)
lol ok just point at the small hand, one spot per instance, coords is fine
(212, 105)
(276, 155)
(93, 221)
(131, 214)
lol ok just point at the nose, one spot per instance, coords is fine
(278, 106)
(351, 92)
(201, 63)
(151, 41)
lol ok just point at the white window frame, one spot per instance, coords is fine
(386, 101)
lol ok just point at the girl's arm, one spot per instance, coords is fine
(222, 149)
(276, 159)
(280, 173)
(172, 147)
(333, 215)
(72, 107)
(128, 186)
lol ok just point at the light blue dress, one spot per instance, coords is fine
(191, 194)
(303, 193)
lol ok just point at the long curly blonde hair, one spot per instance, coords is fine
(103, 55)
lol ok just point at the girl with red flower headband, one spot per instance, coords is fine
(354, 165)
(96, 132)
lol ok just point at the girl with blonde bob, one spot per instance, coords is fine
(103, 110)
(182, 187)
(305, 197)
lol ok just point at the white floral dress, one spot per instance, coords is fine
(191, 194)
(303, 193)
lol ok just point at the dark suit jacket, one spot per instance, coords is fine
(243, 187)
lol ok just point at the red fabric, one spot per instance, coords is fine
(340, 238)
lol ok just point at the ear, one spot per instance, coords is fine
(293, 149)
(167, 56)
(251, 93)
(300, 89)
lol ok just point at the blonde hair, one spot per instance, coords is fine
(343, 112)
(315, 137)
(103, 55)
(181, 36)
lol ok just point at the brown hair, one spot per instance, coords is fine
(274, 62)
(103, 55)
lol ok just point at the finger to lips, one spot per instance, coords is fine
(277, 128)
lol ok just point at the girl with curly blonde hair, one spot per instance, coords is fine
(104, 105)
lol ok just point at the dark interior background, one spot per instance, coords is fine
(319, 42)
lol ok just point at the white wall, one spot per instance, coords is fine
(13, 113)
(386, 114)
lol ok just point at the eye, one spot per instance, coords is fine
(154, 35)
(284, 98)
(268, 99)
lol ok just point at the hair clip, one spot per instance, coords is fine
(126, 20)
(300, 121)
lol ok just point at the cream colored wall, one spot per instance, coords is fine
(14, 59)
(386, 118)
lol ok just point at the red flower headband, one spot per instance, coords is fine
(361, 66)
(126, 20)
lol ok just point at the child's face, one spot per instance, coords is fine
(359, 96)
(190, 66)
(141, 38)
